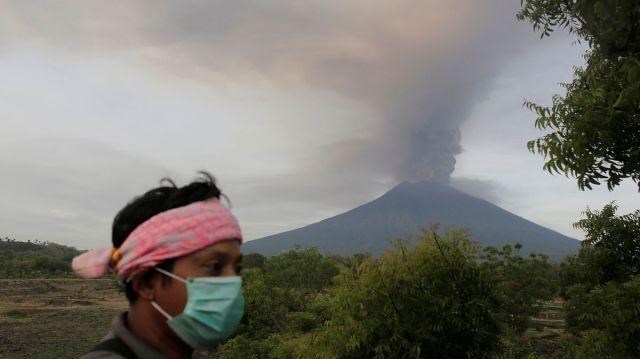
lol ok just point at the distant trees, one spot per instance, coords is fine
(438, 297)
(523, 284)
(29, 266)
(279, 302)
(306, 270)
(595, 126)
(34, 259)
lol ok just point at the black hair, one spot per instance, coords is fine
(155, 201)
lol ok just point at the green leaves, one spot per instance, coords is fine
(434, 296)
(602, 288)
(435, 300)
(34, 259)
(282, 301)
(595, 126)
(523, 284)
(604, 322)
(616, 239)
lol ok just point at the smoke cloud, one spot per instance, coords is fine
(419, 65)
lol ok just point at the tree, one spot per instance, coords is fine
(279, 302)
(441, 298)
(595, 126)
(433, 301)
(523, 284)
(601, 286)
(254, 260)
(616, 238)
(603, 322)
(302, 269)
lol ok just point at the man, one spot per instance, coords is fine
(177, 250)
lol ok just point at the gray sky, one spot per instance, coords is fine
(302, 110)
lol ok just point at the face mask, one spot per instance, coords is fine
(214, 308)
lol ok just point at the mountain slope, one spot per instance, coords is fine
(406, 207)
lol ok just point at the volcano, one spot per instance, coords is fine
(406, 208)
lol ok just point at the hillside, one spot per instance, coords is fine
(37, 248)
(34, 259)
(405, 208)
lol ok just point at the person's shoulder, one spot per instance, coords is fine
(102, 354)
(110, 348)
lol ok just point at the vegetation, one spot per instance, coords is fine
(595, 136)
(34, 259)
(601, 286)
(439, 296)
(433, 296)
(595, 126)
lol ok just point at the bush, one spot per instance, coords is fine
(603, 322)
(432, 301)
(601, 286)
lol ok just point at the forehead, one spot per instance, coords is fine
(225, 250)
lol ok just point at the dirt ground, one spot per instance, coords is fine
(55, 318)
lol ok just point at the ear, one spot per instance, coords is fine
(143, 283)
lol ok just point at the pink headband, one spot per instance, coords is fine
(174, 233)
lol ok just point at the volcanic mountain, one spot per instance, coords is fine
(409, 206)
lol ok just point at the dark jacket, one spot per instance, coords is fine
(121, 343)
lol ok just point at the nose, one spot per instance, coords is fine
(229, 271)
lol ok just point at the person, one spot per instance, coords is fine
(178, 253)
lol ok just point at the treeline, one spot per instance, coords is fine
(35, 259)
(442, 297)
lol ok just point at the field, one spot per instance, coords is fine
(63, 318)
(55, 318)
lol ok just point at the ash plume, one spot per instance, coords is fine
(419, 65)
(432, 153)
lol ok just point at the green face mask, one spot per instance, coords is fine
(214, 308)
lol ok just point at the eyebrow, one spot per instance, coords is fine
(221, 256)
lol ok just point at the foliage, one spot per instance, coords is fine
(37, 248)
(439, 298)
(306, 270)
(583, 268)
(254, 260)
(432, 301)
(29, 266)
(595, 127)
(279, 303)
(604, 322)
(602, 288)
(610, 251)
(617, 239)
(34, 259)
(523, 284)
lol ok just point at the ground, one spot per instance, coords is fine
(55, 318)
(548, 327)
